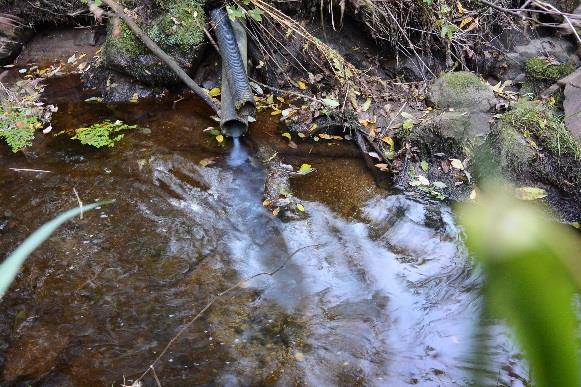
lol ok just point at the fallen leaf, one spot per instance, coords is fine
(374, 155)
(382, 167)
(473, 195)
(389, 141)
(365, 107)
(214, 92)
(220, 138)
(287, 135)
(299, 356)
(292, 144)
(305, 169)
(330, 103)
(206, 162)
(423, 180)
(530, 193)
(424, 165)
(276, 211)
(301, 85)
(457, 164)
(439, 184)
(300, 207)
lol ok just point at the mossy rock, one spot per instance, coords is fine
(542, 69)
(43, 11)
(177, 27)
(462, 90)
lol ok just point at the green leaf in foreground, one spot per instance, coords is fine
(11, 265)
(532, 272)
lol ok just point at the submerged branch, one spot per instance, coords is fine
(151, 367)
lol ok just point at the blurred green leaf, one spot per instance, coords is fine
(532, 274)
(11, 265)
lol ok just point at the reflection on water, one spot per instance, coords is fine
(384, 299)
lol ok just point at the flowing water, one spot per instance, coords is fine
(374, 288)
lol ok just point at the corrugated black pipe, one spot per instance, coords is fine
(233, 65)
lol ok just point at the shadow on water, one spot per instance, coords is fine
(387, 297)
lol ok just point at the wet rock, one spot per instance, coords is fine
(462, 91)
(177, 29)
(34, 354)
(14, 32)
(572, 104)
(115, 87)
(464, 125)
(511, 65)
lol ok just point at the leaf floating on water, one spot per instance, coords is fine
(530, 193)
(457, 164)
(424, 165)
(287, 135)
(220, 138)
(473, 195)
(300, 207)
(94, 99)
(374, 155)
(305, 169)
(206, 162)
(134, 98)
(276, 211)
(214, 92)
(275, 112)
(301, 85)
(382, 167)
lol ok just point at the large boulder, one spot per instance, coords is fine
(14, 32)
(178, 28)
(462, 90)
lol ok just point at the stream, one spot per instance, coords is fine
(374, 288)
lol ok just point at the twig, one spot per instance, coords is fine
(300, 95)
(168, 60)
(208, 305)
(29, 170)
(80, 202)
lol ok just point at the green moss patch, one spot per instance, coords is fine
(102, 134)
(536, 120)
(460, 81)
(181, 26)
(541, 69)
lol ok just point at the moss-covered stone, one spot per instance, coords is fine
(535, 119)
(541, 69)
(177, 26)
(462, 90)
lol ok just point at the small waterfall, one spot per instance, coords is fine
(238, 154)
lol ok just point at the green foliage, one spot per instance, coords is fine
(541, 69)
(536, 119)
(124, 41)
(11, 265)
(100, 134)
(237, 12)
(17, 127)
(531, 278)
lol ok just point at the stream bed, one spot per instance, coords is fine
(374, 288)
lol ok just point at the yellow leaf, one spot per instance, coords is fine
(287, 135)
(300, 207)
(266, 203)
(325, 136)
(299, 356)
(465, 21)
(305, 168)
(275, 112)
(312, 127)
(301, 135)
(220, 138)
(301, 85)
(389, 141)
(281, 99)
(461, 9)
(134, 98)
(276, 211)
(270, 99)
(214, 92)
(530, 193)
